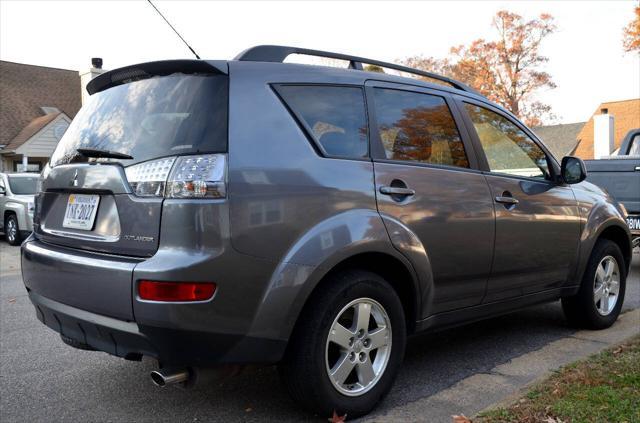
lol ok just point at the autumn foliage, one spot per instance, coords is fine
(507, 69)
(631, 34)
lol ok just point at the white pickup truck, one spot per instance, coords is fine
(17, 191)
(620, 176)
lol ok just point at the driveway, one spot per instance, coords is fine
(41, 379)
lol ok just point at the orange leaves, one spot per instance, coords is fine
(336, 418)
(507, 69)
(631, 34)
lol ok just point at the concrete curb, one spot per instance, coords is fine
(505, 382)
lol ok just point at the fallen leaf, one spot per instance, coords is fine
(461, 419)
(12, 300)
(337, 419)
(248, 409)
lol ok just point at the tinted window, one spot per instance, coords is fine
(418, 127)
(23, 185)
(508, 149)
(151, 118)
(334, 115)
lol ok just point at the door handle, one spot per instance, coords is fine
(506, 200)
(396, 191)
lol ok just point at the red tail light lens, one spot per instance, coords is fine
(176, 291)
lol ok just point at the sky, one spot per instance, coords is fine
(585, 54)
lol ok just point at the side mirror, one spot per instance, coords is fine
(573, 170)
(2, 191)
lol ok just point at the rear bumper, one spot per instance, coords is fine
(103, 333)
(131, 341)
(175, 334)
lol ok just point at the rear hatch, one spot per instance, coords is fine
(153, 113)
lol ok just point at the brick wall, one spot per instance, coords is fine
(626, 117)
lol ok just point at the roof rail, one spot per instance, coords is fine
(271, 53)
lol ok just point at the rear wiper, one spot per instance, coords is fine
(98, 153)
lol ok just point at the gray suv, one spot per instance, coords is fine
(210, 213)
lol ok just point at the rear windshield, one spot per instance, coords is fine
(151, 118)
(23, 185)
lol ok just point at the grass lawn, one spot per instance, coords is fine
(603, 388)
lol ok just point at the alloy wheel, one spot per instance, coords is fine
(606, 285)
(12, 230)
(358, 347)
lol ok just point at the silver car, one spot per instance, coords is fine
(16, 205)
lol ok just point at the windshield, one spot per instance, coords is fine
(23, 185)
(151, 118)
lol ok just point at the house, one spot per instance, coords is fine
(562, 140)
(615, 119)
(626, 116)
(37, 105)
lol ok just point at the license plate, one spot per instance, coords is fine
(81, 211)
(634, 223)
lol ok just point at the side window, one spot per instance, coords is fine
(634, 149)
(418, 127)
(508, 149)
(334, 115)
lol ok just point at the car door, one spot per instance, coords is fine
(427, 179)
(537, 218)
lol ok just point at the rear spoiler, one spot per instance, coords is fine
(147, 70)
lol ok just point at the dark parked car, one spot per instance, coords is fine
(619, 175)
(252, 211)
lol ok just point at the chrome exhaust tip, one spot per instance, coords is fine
(164, 377)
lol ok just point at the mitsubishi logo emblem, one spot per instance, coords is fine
(74, 181)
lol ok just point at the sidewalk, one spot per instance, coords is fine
(477, 392)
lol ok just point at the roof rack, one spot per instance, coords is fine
(271, 53)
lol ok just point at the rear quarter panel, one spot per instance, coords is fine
(279, 187)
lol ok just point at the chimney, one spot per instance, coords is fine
(88, 75)
(603, 141)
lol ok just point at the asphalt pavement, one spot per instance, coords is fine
(43, 380)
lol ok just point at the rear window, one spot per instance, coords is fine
(23, 185)
(334, 116)
(151, 118)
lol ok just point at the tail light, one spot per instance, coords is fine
(176, 291)
(200, 176)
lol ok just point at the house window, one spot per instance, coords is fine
(31, 166)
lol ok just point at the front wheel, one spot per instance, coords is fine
(12, 230)
(347, 346)
(599, 300)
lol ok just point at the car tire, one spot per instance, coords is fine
(374, 354)
(12, 230)
(598, 303)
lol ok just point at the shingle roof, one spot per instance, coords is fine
(30, 130)
(561, 139)
(26, 88)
